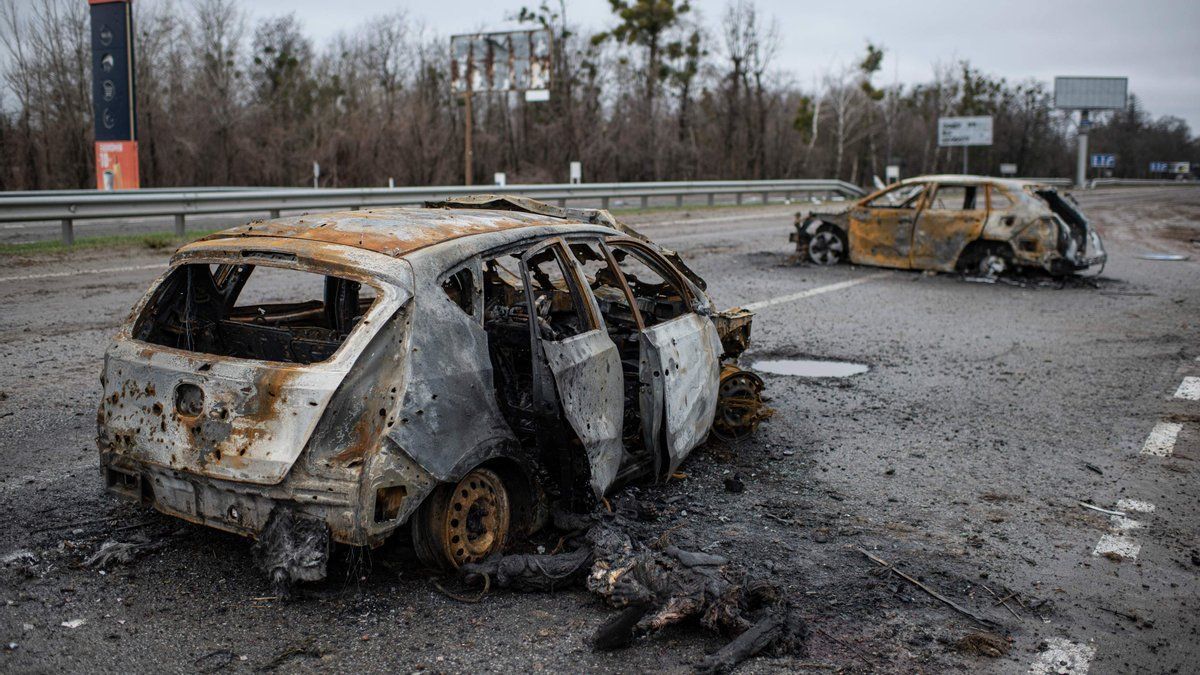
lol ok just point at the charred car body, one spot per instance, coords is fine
(971, 224)
(451, 367)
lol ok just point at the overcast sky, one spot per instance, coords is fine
(1156, 43)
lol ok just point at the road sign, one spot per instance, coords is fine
(891, 173)
(1159, 167)
(1181, 167)
(1090, 93)
(1104, 161)
(1008, 169)
(963, 131)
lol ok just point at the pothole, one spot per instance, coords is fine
(809, 368)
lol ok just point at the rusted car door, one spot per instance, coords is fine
(576, 366)
(680, 354)
(953, 217)
(881, 228)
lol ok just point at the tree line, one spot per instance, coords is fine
(657, 94)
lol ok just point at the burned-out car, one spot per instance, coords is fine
(971, 224)
(454, 367)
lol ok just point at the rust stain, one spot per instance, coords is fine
(391, 231)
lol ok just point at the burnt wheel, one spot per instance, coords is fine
(463, 523)
(828, 246)
(740, 405)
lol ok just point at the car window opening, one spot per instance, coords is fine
(460, 288)
(254, 312)
(659, 295)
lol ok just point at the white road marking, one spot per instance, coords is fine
(1117, 543)
(700, 221)
(71, 273)
(1134, 505)
(1063, 656)
(1161, 441)
(792, 297)
(1189, 389)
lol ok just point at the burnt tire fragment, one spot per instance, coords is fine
(292, 548)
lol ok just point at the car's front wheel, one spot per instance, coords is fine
(463, 523)
(828, 246)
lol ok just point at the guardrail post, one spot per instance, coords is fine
(562, 202)
(68, 232)
(766, 197)
(180, 226)
(711, 198)
(604, 203)
(678, 201)
(739, 199)
(645, 201)
(274, 213)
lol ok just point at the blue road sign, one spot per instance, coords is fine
(1159, 167)
(1104, 161)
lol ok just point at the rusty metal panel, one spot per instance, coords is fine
(682, 356)
(881, 236)
(448, 418)
(942, 231)
(251, 419)
(587, 372)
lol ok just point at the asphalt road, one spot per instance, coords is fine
(988, 413)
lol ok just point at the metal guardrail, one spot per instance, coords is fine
(68, 208)
(1140, 182)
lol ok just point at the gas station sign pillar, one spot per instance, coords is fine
(113, 99)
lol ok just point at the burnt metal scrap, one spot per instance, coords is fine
(979, 225)
(453, 369)
(655, 586)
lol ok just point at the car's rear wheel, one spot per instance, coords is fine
(828, 246)
(463, 523)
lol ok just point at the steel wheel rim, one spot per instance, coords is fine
(477, 518)
(825, 248)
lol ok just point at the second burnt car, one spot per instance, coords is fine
(452, 368)
(971, 224)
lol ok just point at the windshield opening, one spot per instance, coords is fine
(254, 312)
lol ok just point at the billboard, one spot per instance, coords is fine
(113, 100)
(1104, 161)
(960, 131)
(516, 60)
(1090, 93)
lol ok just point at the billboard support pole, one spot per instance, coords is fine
(965, 160)
(1081, 158)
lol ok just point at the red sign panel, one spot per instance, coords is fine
(116, 165)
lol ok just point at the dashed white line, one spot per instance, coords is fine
(1063, 656)
(71, 273)
(1118, 543)
(1128, 505)
(1161, 441)
(1189, 389)
(792, 297)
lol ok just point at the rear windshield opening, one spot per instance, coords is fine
(254, 312)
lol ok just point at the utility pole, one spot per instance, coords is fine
(468, 153)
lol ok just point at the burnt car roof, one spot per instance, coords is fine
(396, 231)
(1012, 183)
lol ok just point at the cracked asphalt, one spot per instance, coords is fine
(988, 414)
